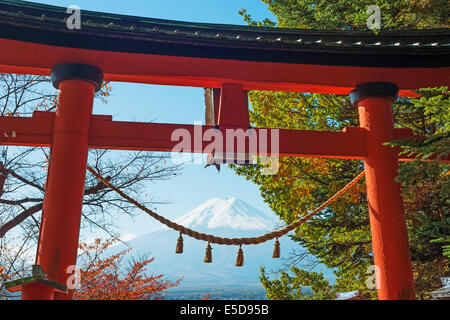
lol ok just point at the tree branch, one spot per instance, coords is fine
(38, 207)
(19, 218)
(3, 175)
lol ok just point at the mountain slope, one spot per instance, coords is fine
(227, 213)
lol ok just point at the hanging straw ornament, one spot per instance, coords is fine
(240, 257)
(276, 249)
(208, 254)
(179, 248)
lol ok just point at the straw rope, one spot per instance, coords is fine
(227, 241)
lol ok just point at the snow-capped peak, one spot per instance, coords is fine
(227, 213)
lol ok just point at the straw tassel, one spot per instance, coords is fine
(276, 249)
(240, 257)
(208, 254)
(179, 248)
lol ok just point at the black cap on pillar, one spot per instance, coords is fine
(374, 89)
(76, 71)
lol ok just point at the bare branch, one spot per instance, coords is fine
(19, 219)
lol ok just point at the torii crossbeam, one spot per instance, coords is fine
(373, 69)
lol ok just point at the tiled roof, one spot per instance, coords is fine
(442, 293)
(138, 34)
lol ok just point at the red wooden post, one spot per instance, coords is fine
(233, 108)
(58, 240)
(387, 217)
(37, 291)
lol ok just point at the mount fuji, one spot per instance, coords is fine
(229, 217)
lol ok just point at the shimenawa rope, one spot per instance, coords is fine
(226, 241)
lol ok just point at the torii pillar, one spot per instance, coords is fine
(387, 215)
(61, 215)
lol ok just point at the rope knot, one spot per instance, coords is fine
(276, 249)
(240, 257)
(179, 248)
(208, 254)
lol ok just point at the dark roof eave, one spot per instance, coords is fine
(31, 22)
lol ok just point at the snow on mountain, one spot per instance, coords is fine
(229, 217)
(229, 213)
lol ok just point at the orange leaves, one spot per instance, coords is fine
(3, 274)
(103, 278)
(46, 103)
(356, 192)
(105, 92)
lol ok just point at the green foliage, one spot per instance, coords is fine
(428, 115)
(302, 286)
(426, 185)
(339, 237)
(446, 250)
(352, 14)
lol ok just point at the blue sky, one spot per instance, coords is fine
(210, 11)
(137, 102)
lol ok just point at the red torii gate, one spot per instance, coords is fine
(372, 69)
